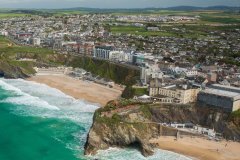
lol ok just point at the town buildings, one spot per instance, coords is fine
(102, 52)
(174, 94)
(173, 66)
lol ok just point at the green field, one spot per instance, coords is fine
(219, 17)
(11, 55)
(8, 51)
(138, 31)
(144, 32)
(208, 21)
(65, 13)
(3, 42)
(11, 15)
(206, 17)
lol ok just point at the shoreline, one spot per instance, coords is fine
(195, 148)
(199, 148)
(79, 89)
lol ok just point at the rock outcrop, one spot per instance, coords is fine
(10, 71)
(130, 124)
(121, 135)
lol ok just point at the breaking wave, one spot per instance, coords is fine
(39, 100)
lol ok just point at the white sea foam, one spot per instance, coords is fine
(23, 98)
(29, 101)
(123, 154)
(70, 109)
(52, 96)
(34, 95)
(8, 87)
(43, 101)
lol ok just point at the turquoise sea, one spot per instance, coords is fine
(41, 123)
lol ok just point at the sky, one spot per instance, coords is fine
(113, 3)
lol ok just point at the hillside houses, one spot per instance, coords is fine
(174, 64)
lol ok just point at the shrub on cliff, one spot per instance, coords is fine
(130, 92)
(118, 73)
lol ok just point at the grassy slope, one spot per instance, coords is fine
(236, 113)
(8, 55)
(117, 73)
(11, 15)
(5, 49)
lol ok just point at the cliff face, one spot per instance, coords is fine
(129, 124)
(10, 71)
(206, 116)
(10, 67)
(116, 72)
(103, 136)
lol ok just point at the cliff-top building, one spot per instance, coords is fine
(219, 96)
(173, 93)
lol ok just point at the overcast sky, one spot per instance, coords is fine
(112, 3)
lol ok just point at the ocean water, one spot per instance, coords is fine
(41, 123)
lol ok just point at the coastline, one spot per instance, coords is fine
(200, 148)
(192, 147)
(89, 91)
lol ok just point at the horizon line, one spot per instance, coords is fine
(34, 8)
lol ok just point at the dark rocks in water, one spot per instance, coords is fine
(1, 74)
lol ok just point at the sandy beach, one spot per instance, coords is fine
(200, 148)
(195, 147)
(89, 91)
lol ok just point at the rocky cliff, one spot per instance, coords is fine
(8, 70)
(129, 124)
(206, 116)
(12, 67)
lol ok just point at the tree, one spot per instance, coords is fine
(66, 38)
(128, 92)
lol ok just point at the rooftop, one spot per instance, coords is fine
(230, 88)
(222, 93)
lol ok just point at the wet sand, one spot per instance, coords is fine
(200, 148)
(89, 91)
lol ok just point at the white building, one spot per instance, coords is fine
(206, 131)
(117, 55)
(190, 73)
(150, 72)
(120, 56)
(36, 41)
(183, 71)
(102, 51)
(69, 43)
(3, 33)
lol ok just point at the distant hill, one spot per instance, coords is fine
(120, 10)
(177, 8)
(185, 8)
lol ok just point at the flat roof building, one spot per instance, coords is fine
(224, 97)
